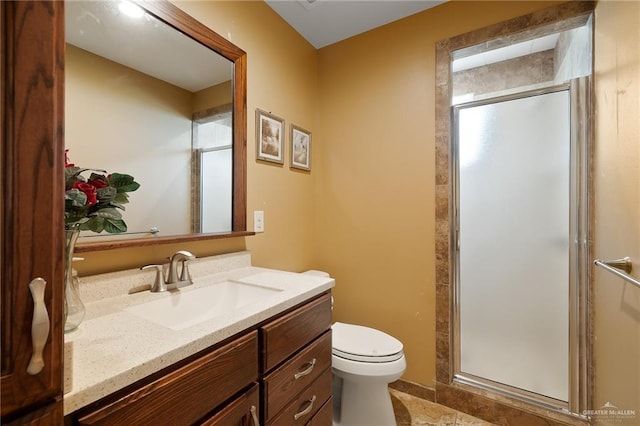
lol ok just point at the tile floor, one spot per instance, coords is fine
(412, 411)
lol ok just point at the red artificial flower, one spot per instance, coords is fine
(91, 213)
(89, 190)
(98, 183)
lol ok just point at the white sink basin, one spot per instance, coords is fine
(190, 306)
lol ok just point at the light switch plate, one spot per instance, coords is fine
(258, 221)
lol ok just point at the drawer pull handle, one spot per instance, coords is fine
(254, 415)
(306, 410)
(306, 371)
(39, 326)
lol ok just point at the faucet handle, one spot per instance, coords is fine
(185, 274)
(179, 256)
(158, 284)
(183, 257)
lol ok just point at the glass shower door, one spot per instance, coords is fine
(513, 242)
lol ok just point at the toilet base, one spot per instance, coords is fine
(361, 404)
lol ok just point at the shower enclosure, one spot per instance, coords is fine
(518, 218)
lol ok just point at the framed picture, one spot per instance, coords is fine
(269, 137)
(300, 148)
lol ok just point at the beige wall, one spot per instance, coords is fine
(376, 181)
(214, 96)
(617, 199)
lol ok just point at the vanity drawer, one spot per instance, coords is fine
(186, 395)
(307, 403)
(292, 377)
(242, 411)
(286, 335)
(324, 416)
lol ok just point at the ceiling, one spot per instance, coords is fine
(324, 22)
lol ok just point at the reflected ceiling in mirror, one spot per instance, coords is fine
(144, 43)
(134, 87)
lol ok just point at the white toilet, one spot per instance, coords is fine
(364, 361)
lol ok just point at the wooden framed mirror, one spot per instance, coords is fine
(123, 134)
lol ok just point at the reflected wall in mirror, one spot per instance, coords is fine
(161, 97)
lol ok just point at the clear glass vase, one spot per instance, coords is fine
(74, 309)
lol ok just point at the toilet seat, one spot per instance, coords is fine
(364, 344)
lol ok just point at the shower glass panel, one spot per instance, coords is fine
(513, 210)
(213, 152)
(217, 210)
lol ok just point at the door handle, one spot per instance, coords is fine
(39, 325)
(254, 415)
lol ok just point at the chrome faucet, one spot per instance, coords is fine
(173, 279)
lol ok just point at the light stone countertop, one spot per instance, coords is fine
(113, 348)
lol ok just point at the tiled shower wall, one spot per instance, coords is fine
(525, 71)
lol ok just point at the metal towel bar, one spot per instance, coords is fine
(617, 267)
(153, 231)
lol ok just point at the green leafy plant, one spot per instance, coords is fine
(94, 204)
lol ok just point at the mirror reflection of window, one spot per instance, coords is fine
(212, 157)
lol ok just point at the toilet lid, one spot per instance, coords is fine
(359, 343)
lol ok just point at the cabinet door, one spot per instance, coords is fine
(49, 415)
(243, 411)
(31, 213)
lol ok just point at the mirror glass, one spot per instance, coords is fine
(144, 99)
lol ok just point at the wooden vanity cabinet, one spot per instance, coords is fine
(296, 362)
(188, 394)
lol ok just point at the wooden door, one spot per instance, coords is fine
(31, 214)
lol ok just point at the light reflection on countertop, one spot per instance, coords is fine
(113, 348)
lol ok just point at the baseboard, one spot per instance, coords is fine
(414, 389)
(500, 410)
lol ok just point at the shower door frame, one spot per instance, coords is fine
(579, 345)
